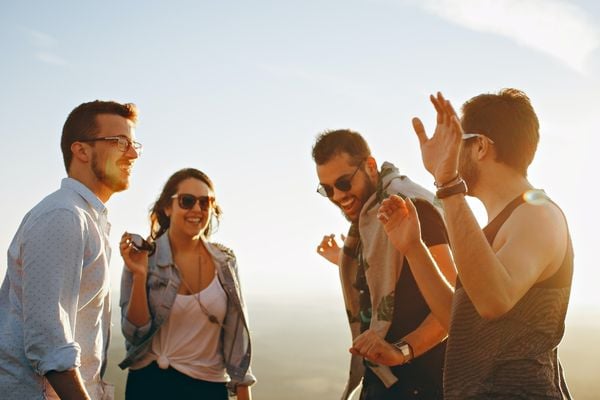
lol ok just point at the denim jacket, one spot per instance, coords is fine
(162, 285)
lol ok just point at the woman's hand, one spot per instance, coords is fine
(243, 392)
(136, 261)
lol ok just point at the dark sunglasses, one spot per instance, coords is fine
(187, 201)
(343, 183)
(140, 244)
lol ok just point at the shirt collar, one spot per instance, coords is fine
(86, 193)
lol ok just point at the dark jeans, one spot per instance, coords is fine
(412, 384)
(152, 382)
(399, 391)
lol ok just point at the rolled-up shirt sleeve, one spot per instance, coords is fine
(52, 256)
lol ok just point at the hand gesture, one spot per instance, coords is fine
(440, 152)
(135, 261)
(329, 248)
(400, 222)
(374, 348)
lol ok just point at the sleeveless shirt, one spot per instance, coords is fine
(514, 356)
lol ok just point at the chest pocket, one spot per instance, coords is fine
(156, 282)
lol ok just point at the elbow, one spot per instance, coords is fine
(494, 309)
(135, 334)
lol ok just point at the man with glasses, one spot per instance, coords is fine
(55, 298)
(389, 319)
(508, 310)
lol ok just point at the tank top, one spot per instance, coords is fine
(188, 341)
(514, 356)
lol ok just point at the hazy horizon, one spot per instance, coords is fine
(301, 351)
(239, 90)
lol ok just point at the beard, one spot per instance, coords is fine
(468, 170)
(111, 180)
(369, 189)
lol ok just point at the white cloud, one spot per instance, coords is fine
(40, 39)
(44, 46)
(555, 27)
(50, 58)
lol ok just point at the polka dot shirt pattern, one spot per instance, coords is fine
(55, 298)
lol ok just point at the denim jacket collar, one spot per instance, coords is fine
(164, 256)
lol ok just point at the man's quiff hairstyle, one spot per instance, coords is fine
(509, 120)
(333, 142)
(81, 123)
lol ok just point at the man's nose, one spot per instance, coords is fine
(338, 194)
(133, 153)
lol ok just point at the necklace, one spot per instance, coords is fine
(211, 317)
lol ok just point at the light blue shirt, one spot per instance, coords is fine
(55, 298)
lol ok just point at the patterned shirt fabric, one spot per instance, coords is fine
(422, 377)
(382, 264)
(55, 298)
(514, 356)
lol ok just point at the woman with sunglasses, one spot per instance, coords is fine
(182, 312)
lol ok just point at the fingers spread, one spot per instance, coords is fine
(419, 130)
(438, 107)
(457, 127)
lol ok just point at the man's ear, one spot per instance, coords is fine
(81, 152)
(371, 167)
(484, 148)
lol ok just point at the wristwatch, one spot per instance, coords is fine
(405, 349)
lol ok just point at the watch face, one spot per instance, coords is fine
(405, 350)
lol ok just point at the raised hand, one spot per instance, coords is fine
(400, 222)
(329, 248)
(135, 261)
(440, 152)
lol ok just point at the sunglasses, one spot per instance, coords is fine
(343, 183)
(187, 201)
(466, 136)
(140, 244)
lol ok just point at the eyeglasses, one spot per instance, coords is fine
(343, 183)
(187, 201)
(123, 143)
(466, 136)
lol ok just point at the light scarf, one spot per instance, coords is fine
(383, 264)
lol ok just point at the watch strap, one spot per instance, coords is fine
(456, 188)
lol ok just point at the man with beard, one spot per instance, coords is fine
(389, 319)
(55, 298)
(509, 306)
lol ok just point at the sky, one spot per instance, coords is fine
(241, 89)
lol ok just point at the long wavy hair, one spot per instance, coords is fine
(159, 221)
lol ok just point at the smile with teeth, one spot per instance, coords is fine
(126, 168)
(347, 204)
(193, 220)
